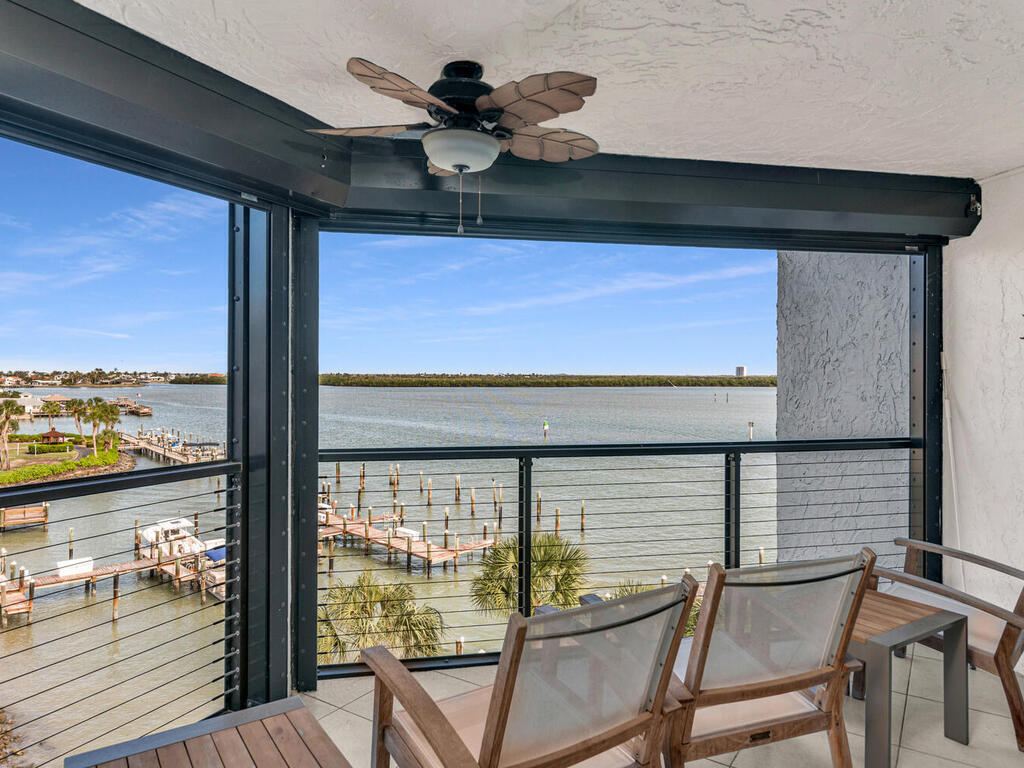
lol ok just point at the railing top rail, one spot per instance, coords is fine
(36, 493)
(616, 449)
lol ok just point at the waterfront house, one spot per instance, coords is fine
(875, 148)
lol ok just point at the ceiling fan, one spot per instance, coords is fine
(474, 123)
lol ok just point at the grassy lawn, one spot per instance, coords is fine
(20, 457)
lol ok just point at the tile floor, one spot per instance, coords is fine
(344, 707)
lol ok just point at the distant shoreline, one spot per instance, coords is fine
(535, 380)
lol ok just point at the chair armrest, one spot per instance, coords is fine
(590, 599)
(439, 733)
(852, 665)
(1009, 617)
(544, 610)
(959, 554)
(678, 692)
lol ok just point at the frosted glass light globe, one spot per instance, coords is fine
(450, 148)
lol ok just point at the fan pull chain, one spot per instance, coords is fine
(479, 199)
(460, 230)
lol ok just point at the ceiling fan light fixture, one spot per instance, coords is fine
(461, 149)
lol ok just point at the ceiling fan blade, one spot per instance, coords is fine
(370, 130)
(389, 84)
(435, 170)
(538, 97)
(555, 145)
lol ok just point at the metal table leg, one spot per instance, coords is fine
(954, 682)
(878, 710)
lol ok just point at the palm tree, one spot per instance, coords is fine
(369, 613)
(8, 410)
(557, 567)
(79, 410)
(51, 410)
(112, 417)
(96, 415)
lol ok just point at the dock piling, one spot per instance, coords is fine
(455, 562)
(583, 515)
(21, 579)
(472, 502)
(337, 473)
(31, 598)
(458, 488)
(538, 508)
(3, 604)
(366, 537)
(401, 515)
(428, 558)
(71, 543)
(117, 594)
(408, 554)
(558, 515)
(501, 502)
(177, 573)
(330, 555)
(138, 542)
(389, 545)
(202, 581)
(421, 481)
(430, 491)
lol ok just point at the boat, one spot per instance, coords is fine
(174, 538)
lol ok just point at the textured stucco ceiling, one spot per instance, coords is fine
(915, 86)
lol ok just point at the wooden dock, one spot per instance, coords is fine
(17, 516)
(361, 531)
(17, 593)
(170, 448)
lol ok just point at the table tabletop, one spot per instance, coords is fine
(881, 613)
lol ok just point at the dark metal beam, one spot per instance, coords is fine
(926, 404)
(639, 199)
(37, 493)
(614, 449)
(306, 434)
(75, 81)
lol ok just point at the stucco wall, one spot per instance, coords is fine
(843, 349)
(983, 322)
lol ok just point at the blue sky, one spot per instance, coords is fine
(101, 268)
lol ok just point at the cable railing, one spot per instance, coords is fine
(420, 548)
(119, 610)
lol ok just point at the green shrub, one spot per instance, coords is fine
(39, 471)
(23, 437)
(37, 449)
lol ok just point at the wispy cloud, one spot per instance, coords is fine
(632, 283)
(108, 245)
(6, 220)
(76, 331)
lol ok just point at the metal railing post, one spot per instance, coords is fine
(525, 533)
(732, 509)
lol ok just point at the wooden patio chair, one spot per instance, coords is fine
(584, 686)
(767, 661)
(994, 634)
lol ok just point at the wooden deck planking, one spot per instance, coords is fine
(202, 752)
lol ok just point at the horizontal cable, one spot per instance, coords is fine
(145, 504)
(122, 638)
(92, 604)
(140, 695)
(111, 533)
(132, 550)
(125, 658)
(133, 719)
(105, 623)
(200, 649)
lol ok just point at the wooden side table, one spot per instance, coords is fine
(886, 623)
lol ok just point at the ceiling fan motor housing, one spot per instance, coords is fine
(460, 86)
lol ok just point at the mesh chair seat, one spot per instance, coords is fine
(708, 721)
(467, 712)
(983, 629)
